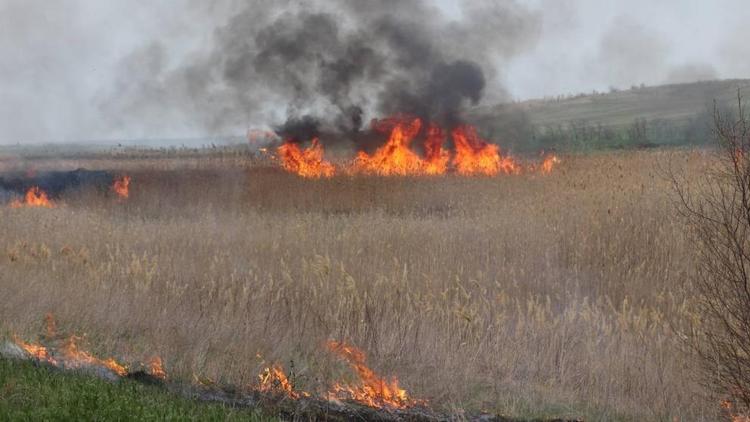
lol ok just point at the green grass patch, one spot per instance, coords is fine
(29, 392)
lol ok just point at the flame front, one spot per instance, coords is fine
(76, 358)
(34, 197)
(37, 351)
(372, 390)
(306, 162)
(121, 187)
(473, 156)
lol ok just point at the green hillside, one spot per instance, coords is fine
(677, 114)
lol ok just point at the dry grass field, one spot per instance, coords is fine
(558, 294)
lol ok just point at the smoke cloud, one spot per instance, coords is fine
(327, 66)
(75, 70)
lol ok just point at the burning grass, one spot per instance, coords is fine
(529, 295)
(34, 198)
(472, 155)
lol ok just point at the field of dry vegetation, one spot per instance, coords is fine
(556, 294)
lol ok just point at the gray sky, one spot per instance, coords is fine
(58, 59)
(595, 44)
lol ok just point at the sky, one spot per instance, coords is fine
(59, 60)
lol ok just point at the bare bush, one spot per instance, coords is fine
(718, 211)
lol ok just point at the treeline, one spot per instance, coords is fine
(522, 136)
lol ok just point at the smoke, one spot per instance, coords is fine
(691, 72)
(630, 51)
(327, 66)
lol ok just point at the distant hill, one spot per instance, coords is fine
(678, 114)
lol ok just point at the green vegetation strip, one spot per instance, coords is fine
(30, 392)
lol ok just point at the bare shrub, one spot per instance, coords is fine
(718, 212)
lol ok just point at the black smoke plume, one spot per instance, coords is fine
(311, 67)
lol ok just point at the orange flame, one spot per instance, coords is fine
(436, 158)
(121, 187)
(307, 162)
(373, 390)
(274, 380)
(548, 164)
(156, 368)
(76, 358)
(475, 156)
(472, 156)
(395, 157)
(37, 351)
(34, 197)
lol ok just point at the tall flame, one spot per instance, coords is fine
(306, 162)
(395, 157)
(34, 197)
(121, 187)
(475, 156)
(372, 390)
(69, 354)
(436, 158)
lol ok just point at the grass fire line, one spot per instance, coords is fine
(64, 352)
(472, 155)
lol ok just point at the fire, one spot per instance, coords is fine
(373, 390)
(475, 156)
(395, 157)
(436, 158)
(76, 358)
(34, 197)
(37, 351)
(548, 163)
(274, 380)
(472, 155)
(121, 187)
(156, 368)
(306, 162)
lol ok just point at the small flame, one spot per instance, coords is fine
(37, 351)
(121, 187)
(548, 163)
(34, 197)
(274, 380)
(306, 162)
(76, 358)
(156, 368)
(372, 391)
